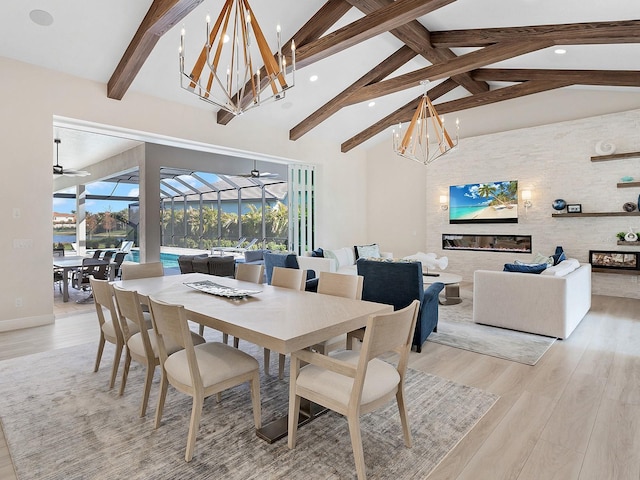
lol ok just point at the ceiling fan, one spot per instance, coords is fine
(59, 170)
(255, 173)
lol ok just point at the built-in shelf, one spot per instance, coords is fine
(628, 184)
(628, 244)
(615, 270)
(596, 214)
(615, 156)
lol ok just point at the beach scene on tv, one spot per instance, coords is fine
(495, 202)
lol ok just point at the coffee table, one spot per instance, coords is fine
(451, 286)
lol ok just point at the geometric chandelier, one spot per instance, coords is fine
(234, 82)
(414, 143)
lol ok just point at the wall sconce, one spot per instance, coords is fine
(526, 196)
(444, 202)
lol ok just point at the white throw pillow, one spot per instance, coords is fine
(563, 268)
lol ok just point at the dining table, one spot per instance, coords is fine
(280, 319)
(70, 264)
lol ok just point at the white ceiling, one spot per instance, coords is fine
(88, 37)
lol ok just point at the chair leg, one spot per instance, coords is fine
(255, 399)
(196, 411)
(125, 372)
(164, 384)
(147, 388)
(201, 330)
(281, 360)
(236, 342)
(116, 364)
(225, 338)
(267, 359)
(356, 444)
(100, 350)
(404, 419)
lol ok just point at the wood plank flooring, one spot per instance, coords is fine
(573, 416)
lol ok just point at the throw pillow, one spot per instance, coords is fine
(559, 257)
(524, 268)
(318, 252)
(367, 251)
(540, 258)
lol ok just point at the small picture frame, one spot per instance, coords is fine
(574, 208)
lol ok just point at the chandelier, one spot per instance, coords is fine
(414, 143)
(233, 82)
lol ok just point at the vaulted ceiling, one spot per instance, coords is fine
(400, 18)
(492, 63)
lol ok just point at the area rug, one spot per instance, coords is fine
(456, 329)
(62, 422)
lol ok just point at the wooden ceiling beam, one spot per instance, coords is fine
(160, 18)
(618, 78)
(626, 31)
(464, 63)
(323, 20)
(416, 36)
(388, 66)
(380, 21)
(478, 100)
(406, 111)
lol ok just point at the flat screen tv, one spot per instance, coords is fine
(494, 202)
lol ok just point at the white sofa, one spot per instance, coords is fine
(545, 304)
(341, 260)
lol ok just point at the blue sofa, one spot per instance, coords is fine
(398, 283)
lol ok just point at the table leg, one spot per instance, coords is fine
(278, 429)
(65, 284)
(451, 294)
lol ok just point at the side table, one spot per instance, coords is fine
(451, 286)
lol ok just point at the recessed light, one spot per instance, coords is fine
(41, 17)
(313, 78)
(371, 104)
(560, 51)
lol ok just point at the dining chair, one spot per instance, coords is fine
(133, 271)
(338, 285)
(142, 345)
(247, 272)
(199, 371)
(110, 330)
(293, 279)
(355, 383)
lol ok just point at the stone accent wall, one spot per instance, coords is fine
(553, 161)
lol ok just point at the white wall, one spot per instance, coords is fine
(553, 161)
(30, 97)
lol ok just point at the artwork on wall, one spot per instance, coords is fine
(487, 243)
(614, 260)
(494, 202)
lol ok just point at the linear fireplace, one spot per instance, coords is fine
(487, 243)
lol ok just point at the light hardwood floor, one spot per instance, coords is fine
(575, 415)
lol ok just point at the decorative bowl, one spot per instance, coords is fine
(559, 204)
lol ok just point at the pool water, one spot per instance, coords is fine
(169, 260)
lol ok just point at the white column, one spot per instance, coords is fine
(81, 220)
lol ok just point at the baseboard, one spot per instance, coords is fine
(26, 322)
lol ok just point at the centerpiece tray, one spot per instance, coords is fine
(213, 288)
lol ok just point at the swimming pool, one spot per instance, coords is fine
(169, 260)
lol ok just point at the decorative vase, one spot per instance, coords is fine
(560, 204)
(631, 236)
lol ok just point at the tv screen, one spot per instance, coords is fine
(495, 202)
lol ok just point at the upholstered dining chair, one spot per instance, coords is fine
(355, 383)
(110, 330)
(338, 285)
(142, 345)
(247, 272)
(199, 371)
(133, 271)
(294, 279)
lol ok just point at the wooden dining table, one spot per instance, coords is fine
(280, 319)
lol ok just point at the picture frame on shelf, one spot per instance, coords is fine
(574, 208)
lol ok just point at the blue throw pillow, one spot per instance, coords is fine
(559, 257)
(531, 268)
(318, 252)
